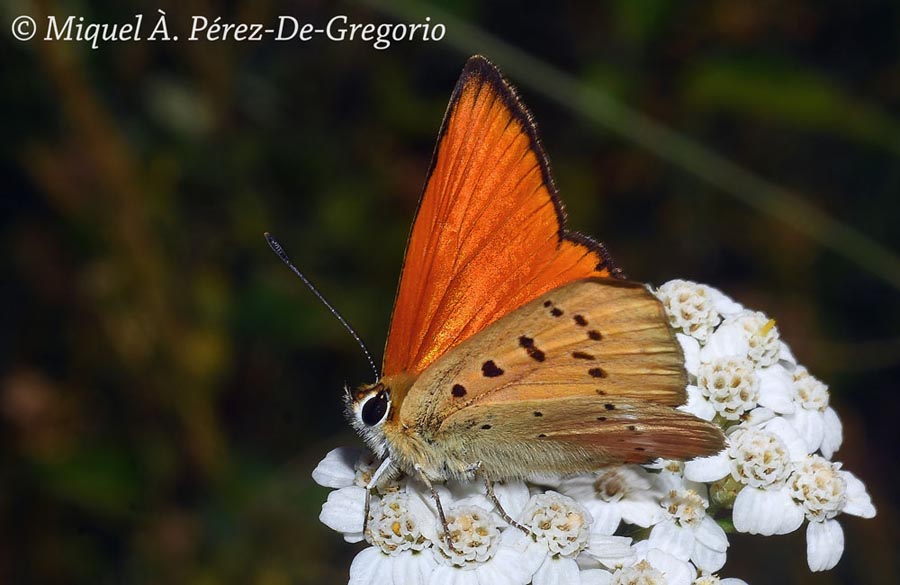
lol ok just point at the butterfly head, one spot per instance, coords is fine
(367, 408)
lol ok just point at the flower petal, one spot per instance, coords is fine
(707, 559)
(610, 551)
(795, 444)
(371, 567)
(595, 577)
(518, 549)
(758, 416)
(344, 510)
(513, 496)
(690, 347)
(786, 355)
(824, 545)
(711, 535)
(426, 519)
(858, 501)
(810, 425)
(776, 388)
(447, 575)
(677, 572)
(676, 540)
(766, 512)
(336, 470)
(557, 571)
(642, 513)
(607, 515)
(698, 405)
(708, 469)
(833, 434)
(413, 569)
(729, 340)
(722, 303)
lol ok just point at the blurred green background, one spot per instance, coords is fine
(167, 386)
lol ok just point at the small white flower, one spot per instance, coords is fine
(475, 534)
(813, 418)
(348, 470)
(485, 554)
(558, 522)
(824, 491)
(760, 458)
(399, 522)
(819, 487)
(562, 527)
(730, 385)
(690, 307)
(746, 334)
(614, 494)
(688, 533)
(400, 529)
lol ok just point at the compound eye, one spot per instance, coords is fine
(375, 408)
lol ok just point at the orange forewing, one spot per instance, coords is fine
(488, 235)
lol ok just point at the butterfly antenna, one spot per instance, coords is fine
(276, 247)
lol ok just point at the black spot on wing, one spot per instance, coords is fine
(595, 335)
(548, 303)
(486, 427)
(533, 352)
(580, 321)
(458, 390)
(556, 312)
(597, 373)
(490, 370)
(537, 413)
(580, 355)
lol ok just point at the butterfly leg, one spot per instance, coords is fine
(489, 488)
(385, 469)
(366, 513)
(440, 510)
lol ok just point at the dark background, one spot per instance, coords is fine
(166, 385)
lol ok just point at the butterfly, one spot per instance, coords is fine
(516, 347)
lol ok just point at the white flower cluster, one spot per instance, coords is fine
(775, 472)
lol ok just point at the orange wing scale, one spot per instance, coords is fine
(488, 235)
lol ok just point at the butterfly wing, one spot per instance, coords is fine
(583, 376)
(488, 235)
(574, 434)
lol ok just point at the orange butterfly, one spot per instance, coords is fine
(517, 347)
